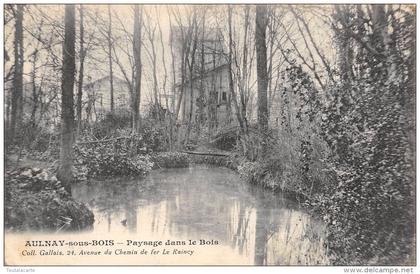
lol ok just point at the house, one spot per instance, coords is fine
(97, 98)
(211, 80)
(216, 94)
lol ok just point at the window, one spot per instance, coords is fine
(223, 96)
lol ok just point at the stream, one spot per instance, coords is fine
(236, 222)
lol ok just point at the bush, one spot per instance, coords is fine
(268, 175)
(282, 169)
(116, 165)
(368, 121)
(111, 123)
(154, 135)
(102, 160)
(179, 160)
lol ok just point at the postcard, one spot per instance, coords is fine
(209, 134)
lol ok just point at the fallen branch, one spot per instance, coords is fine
(206, 153)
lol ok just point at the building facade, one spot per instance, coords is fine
(207, 89)
(97, 98)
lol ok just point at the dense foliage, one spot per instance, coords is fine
(367, 124)
(116, 157)
(354, 138)
(180, 159)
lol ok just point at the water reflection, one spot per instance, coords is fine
(254, 226)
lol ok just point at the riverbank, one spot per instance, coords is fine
(314, 192)
(255, 173)
(268, 174)
(36, 201)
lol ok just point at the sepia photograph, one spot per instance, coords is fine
(209, 135)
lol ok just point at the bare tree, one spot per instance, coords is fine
(17, 101)
(240, 62)
(191, 62)
(118, 47)
(321, 55)
(239, 113)
(82, 55)
(261, 21)
(136, 93)
(67, 112)
(150, 30)
(202, 92)
(35, 96)
(185, 33)
(165, 72)
(244, 81)
(111, 74)
(174, 115)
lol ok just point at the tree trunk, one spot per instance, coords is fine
(240, 114)
(185, 49)
(231, 86)
(212, 100)
(153, 59)
(8, 110)
(136, 93)
(67, 112)
(81, 72)
(201, 97)
(244, 85)
(270, 66)
(34, 92)
(345, 48)
(16, 111)
(191, 72)
(155, 82)
(181, 91)
(165, 72)
(172, 116)
(261, 21)
(111, 74)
